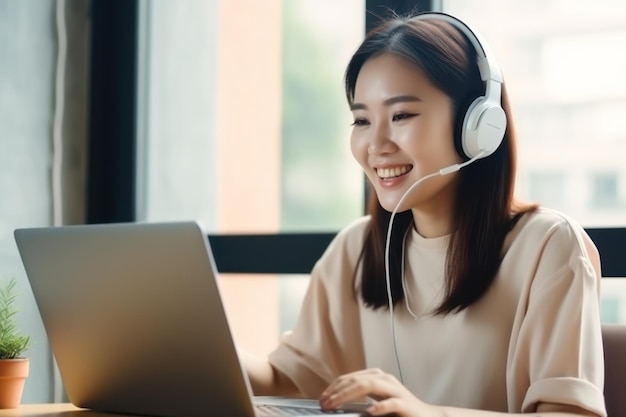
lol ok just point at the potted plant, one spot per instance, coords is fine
(13, 366)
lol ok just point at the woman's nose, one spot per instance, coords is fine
(381, 141)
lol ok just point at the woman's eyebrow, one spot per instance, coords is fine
(401, 99)
(388, 102)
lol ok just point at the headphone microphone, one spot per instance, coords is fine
(482, 129)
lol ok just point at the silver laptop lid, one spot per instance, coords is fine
(134, 318)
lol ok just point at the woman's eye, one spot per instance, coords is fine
(402, 116)
(360, 122)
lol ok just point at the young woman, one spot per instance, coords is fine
(473, 302)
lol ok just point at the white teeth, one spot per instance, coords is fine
(386, 173)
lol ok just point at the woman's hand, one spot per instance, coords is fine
(389, 394)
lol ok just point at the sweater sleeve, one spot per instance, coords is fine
(326, 341)
(556, 350)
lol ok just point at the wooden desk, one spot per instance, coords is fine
(53, 410)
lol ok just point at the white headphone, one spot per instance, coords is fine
(484, 122)
(482, 131)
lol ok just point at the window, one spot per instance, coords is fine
(243, 125)
(547, 188)
(605, 191)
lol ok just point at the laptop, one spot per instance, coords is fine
(135, 321)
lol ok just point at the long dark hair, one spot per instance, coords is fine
(485, 207)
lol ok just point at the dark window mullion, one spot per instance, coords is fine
(111, 150)
(296, 253)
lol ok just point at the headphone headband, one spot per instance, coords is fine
(487, 65)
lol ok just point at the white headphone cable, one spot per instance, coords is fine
(444, 171)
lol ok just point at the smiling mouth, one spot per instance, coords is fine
(389, 173)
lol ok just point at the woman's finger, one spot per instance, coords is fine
(349, 379)
(356, 386)
(393, 405)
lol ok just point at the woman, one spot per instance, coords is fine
(473, 301)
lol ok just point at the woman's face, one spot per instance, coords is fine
(403, 130)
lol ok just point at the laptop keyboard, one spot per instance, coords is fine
(263, 410)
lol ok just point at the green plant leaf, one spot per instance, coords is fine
(12, 343)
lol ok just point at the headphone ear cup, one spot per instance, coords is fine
(459, 133)
(483, 128)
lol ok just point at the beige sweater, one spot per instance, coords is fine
(533, 337)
